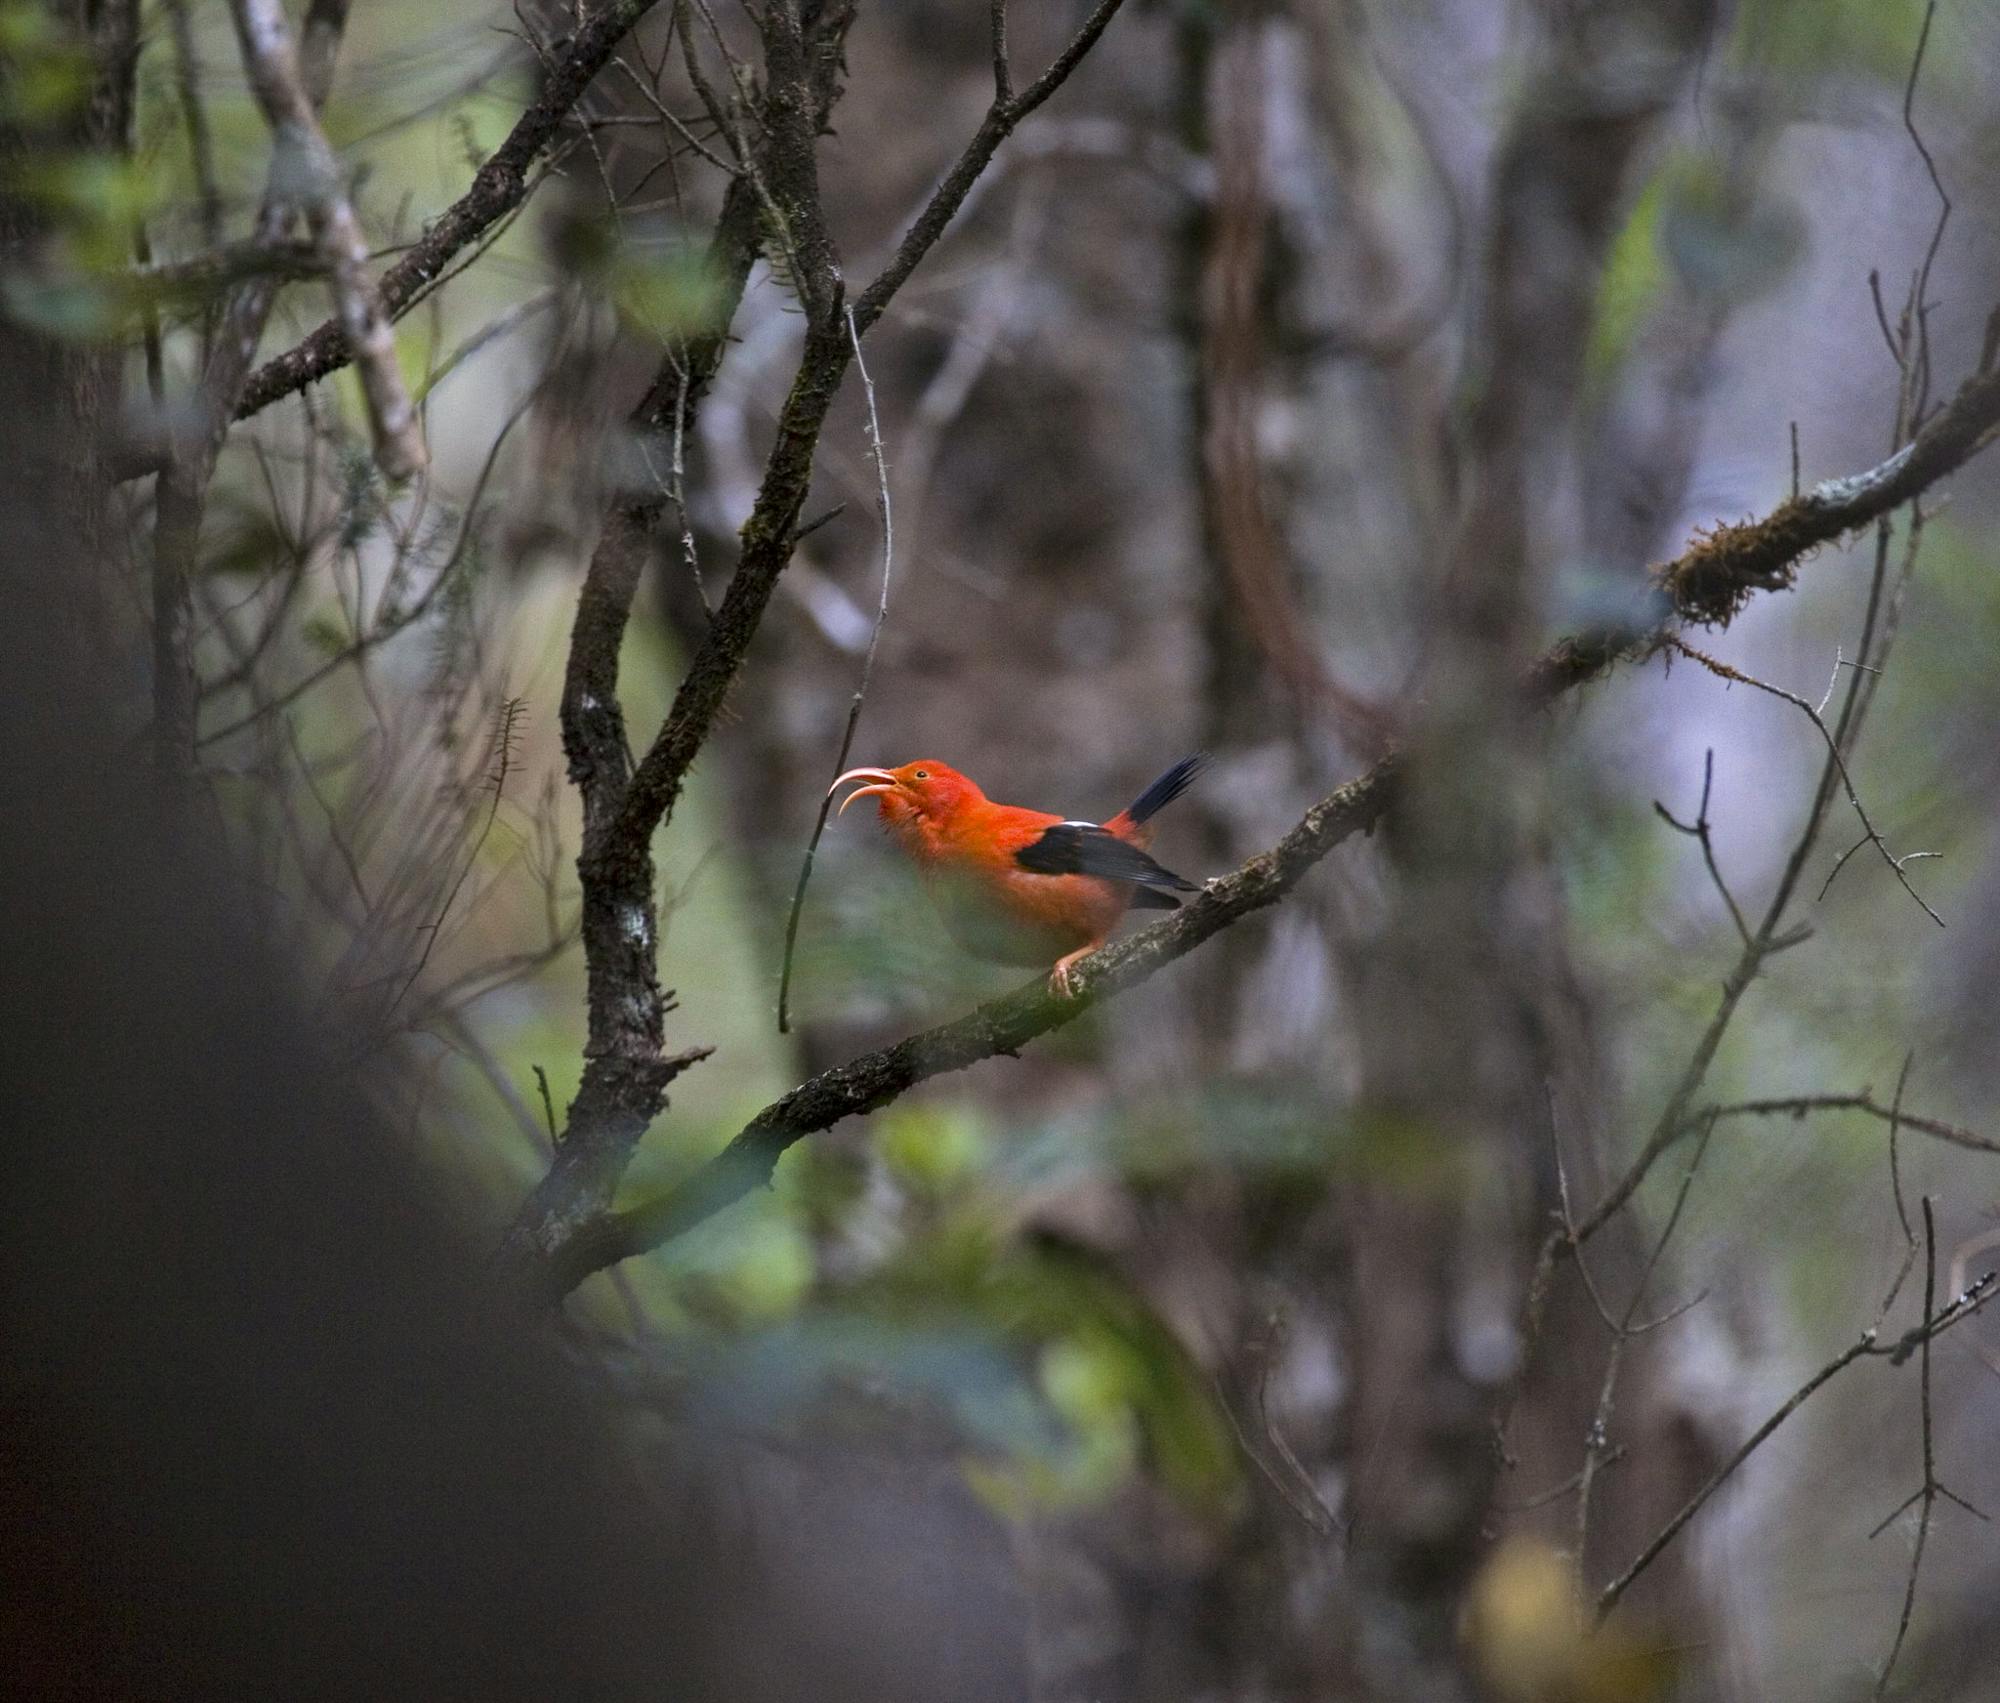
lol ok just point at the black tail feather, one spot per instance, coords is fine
(1167, 788)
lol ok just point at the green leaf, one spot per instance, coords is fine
(1634, 274)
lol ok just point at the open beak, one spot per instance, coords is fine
(881, 780)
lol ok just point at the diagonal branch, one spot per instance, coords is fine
(1706, 584)
(1723, 671)
(623, 1088)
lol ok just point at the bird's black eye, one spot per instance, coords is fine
(923, 774)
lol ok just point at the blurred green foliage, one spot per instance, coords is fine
(1828, 37)
(1701, 226)
(44, 72)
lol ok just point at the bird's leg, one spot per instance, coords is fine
(1059, 976)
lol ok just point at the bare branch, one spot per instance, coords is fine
(1003, 75)
(1920, 289)
(1597, 1442)
(1708, 583)
(1797, 1106)
(1698, 830)
(1722, 671)
(190, 454)
(1926, 1495)
(1918, 1337)
(312, 175)
(999, 123)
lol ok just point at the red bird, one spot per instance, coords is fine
(1019, 886)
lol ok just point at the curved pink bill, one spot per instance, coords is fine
(882, 781)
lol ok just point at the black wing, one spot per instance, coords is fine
(1083, 848)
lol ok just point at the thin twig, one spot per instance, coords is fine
(1799, 1105)
(392, 618)
(1895, 1164)
(1597, 1440)
(1927, 1494)
(1920, 289)
(1288, 1476)
(861, 686)
(1569, 1486)
(506, 730)
(1699, 830)
(186, 460)
(1724, 671)
(548, 1103)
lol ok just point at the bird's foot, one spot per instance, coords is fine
(1059, 983)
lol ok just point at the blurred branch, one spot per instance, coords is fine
(1597, 1442)
(228, 263)
(1698, 830)
(190, 453)
(194, 116)
(499, 186)
(1234, 336)
(1000, 121)
(1707, 583)
(306, 165)
(394, 614)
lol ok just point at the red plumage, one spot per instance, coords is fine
(1019, 886)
